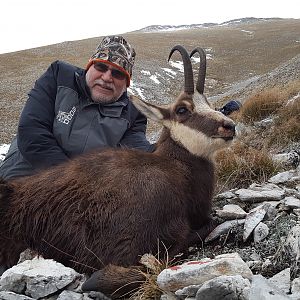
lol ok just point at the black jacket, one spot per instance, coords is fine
(60, 121)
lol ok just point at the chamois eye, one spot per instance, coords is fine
(181, 110)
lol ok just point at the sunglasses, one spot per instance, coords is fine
(115, 73)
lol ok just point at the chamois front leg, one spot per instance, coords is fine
(198, 236)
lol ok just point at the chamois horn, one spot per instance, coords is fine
(188, 71)
(202, 69)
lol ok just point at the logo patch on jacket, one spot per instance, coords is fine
(66, 117)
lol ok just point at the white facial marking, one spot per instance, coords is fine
(194, 141)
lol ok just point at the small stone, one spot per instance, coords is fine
(262, 289)
(254, 217)
(282, 280)
(248, 195)
(223, 229)
(291, 202)
(231, 211)
(225, 288)
(69, 295)
(260, 232)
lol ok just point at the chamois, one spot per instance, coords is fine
(103, 210)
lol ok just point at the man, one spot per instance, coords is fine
(71, 111)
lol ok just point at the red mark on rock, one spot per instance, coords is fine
(175, 268)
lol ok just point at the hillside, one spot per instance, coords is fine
(237, 52)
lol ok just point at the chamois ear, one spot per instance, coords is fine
(151, 111)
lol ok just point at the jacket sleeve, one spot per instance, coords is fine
(35, 138)
(135, 136)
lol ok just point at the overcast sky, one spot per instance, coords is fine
(32, 23)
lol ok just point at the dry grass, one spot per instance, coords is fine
(286, 127)
(262, 105)
(268, 102)
(241, 165)
(149, 289)
(249, 159)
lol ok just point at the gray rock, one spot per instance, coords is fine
(265, 187)
(168, 296)
(265, 123)
(291, 202)
(39, 277)
(295, 286)
(69, 295)
(285, 177)
(261, 289)
(248, 195)
(188, 291)
(254, 217)
(260, 232)
(223, 229)
(226, 195)
(290, 159)
(282, 280)
(291, 246)
(6, 295)
(225, 288)
(197, 272)
(296, 211)
(231, 211)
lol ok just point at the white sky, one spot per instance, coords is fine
(31, 23)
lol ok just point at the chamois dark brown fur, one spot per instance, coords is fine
(104, 210)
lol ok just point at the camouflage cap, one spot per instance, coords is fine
(118, 52)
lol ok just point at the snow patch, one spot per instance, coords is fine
(177, 64)
(154, 78)
(3, 151)
(146, 72)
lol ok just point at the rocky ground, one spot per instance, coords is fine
(253, 253)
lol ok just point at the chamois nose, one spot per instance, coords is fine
(227, 129)
(229, 126)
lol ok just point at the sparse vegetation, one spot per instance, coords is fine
(286, 129)
(241, 165)
(262, 105)
(250, 158)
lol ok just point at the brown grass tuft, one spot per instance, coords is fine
(261, 105)
(286, 127)
(149, 289)
(241, 165)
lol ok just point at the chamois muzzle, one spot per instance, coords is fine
(226, 131)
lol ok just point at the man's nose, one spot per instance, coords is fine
(107, 75)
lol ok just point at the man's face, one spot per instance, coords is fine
(105, 82)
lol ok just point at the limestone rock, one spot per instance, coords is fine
(231, 211)
(263, 290)
(197, 272)
(260, 232)
(223, 229)
(38, 277)
(254, 217)
(225, 288)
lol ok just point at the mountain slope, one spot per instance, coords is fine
(237, 51)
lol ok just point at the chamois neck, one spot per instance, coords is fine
(166, 146)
